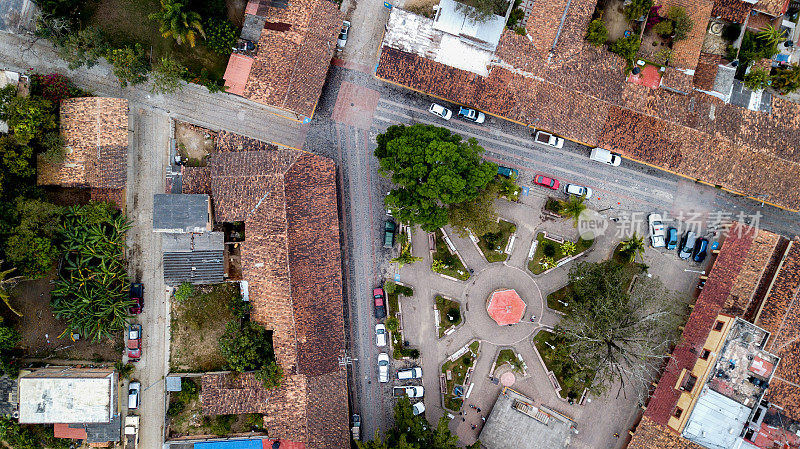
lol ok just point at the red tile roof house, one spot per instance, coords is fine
(755, 276)
(295, 45)
(291, 262)
(95, 132)
(554, 80)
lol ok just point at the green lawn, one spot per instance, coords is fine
(533, 265)
(126, 22)
(458, 370)
(492, 244)
(570, 376)
(451, 264)
(508, 356)
(443, 305)
(562, 294)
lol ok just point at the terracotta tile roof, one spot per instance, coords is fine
(772, 7)
(196, 180)
(61, 430)
(733, 10)
(706, 71)
(650, 435)
(709, 304)
(779, 315)
(293, 54)
(677, 79)
(686, 52)
(742, 294)
(291, 260)
(544, 19)
(760, 21)
(237, 72)
(95, 131)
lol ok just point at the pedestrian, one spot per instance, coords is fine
(474, 427)
(616, 434)
(483, 418)
(462, 419)
(479, 409)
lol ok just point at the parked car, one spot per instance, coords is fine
(355, 429)
(388, 234)
(380, 303)
(343, 34)
(508, 172)
(440, 111)
(411, 373)
(699, 253)
(672, 238)
(471, 115)
(418, 408)
(606, 157)
(410, 391)
(687, 245)
(575, 189)
(134, 342)
(545, 138)
(133, 395)
(383, 367)
(657, 233)
(137, 298)
(380, 335)
(543, 180)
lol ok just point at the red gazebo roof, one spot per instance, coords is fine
(506, 307)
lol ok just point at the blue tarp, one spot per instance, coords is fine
(230, 444)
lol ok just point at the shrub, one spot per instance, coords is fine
(627, 47)
(732, 32)
(183, 292)
(637, 8)
(663, 28)
(453, 314)
(549, 248)
(392, 324)
(516, 15)
(389, 287)
(240, 309)
(756, 79)
(221, 424)
(597, 34)
(221, 35)
(521, 30)
(128, 64)
(683, 24)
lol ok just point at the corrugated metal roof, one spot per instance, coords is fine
(230, 444)
(198, 267)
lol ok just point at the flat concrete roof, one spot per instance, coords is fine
(66, 398)
(716, 421)
(181, 213)
(516, 423)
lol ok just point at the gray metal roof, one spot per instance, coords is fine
(181, 213)
(195, 258)
(8, 396)
(173, 383)
(103, 432)
(717, 421)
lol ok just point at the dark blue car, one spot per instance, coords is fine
(672, 238)
(699, 253)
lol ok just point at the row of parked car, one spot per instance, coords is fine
(691, 245)
(134, 343)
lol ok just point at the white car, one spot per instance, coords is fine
(133, 395)
(440, 111)
(383, 367)
(575, 189)
(380, 335)
(657, 231)
(418, 408)
(343, 34)
(411, 373)
(606, 157)
(545, 138)
(410, 391)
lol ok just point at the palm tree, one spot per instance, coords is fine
(772, 36)
(632, 247)
(5, 287)
(573, 208)
(787, 79)
(178, 23)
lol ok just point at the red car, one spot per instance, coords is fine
(543, 180)
(137, 299)
(380, 303)
(134, 342)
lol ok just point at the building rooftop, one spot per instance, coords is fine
(452, 18)
(9, 402)
(291, 262)
(195, 258)
(295, 47)
(717, 421)
(516, 423)
(95, 131)
(505, 307)
(181, 213)
(67, 395)
(651, 435)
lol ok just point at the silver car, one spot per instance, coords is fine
(380, 335)
(440, 111)
(575, 189)
(687, 245)
(383, 367)
(340, 43)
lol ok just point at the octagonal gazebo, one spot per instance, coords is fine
(505, 307)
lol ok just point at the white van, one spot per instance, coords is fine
(412, 373)
(606, 157)
(418, 408)
(133, 395)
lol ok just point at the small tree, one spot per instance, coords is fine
(787, 79)
(392, 324)
(270, 374)
(772, 36)
(756, 79)
(664, 28)
(637, 8)
(683, 24)
(568, 248)
(597, 34)
(128, 64)
(182, 25)
(483, 10)
(83, 48)
(632, 247)
(221, 35)
(167, 76)
(573, 208)
(28, 117)
(627, 47)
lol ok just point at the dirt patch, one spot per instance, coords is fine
(655, 48)
(194, 143)
(421, 7)
(198, 322)
(67, 196)
(614, 18)
(44, 336)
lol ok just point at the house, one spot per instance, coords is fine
(554, 80)
(515, 422)
(291, 265)
(295, 41)
(732, 380)
(181, 213)
(80, 402)
(95, 132)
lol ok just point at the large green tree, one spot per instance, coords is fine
(479, 214)
(622, 336)
(84, 47)
(167, 76)
(787, 79)
(31, 247)
(28, 117)
(178, 23)
(248, 347)
(432, 168)
(128, 64)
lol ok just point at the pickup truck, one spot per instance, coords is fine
(131, 432)
(410, 391)
(545, 138)
(471, 115)
(657, 231)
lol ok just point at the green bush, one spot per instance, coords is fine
(637, 8)
(453, 314)
(516, 15)
(183, 292)
(389, 287)
(627, 47)
(664, 28)
(221, 35)
(597, 34)
(683, 24)
(220, 425)
(549, 248)
(392, 324)
(757, 78)
(732, 32)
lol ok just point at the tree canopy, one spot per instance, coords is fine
(432, 168)
(248, 347)
(622, 336)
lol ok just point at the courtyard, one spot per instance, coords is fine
(486, 302)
